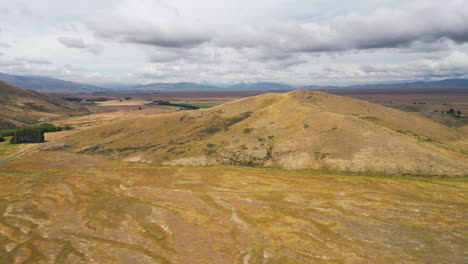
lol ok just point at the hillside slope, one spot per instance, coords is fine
(296, 130)
(20, 107)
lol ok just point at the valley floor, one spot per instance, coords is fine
(61, 207)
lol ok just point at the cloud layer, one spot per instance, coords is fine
(300, 42)
(381, 28)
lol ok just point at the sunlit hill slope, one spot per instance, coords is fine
(297, 130)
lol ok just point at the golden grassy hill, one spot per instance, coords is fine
(20, 107)
(297, 130)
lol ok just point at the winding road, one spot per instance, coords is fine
(19, 153)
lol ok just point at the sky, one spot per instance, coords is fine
(300, 42)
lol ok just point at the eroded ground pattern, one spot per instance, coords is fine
(58, 207)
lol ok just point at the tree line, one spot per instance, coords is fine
(31, 134)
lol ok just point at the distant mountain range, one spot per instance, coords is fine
(448, 83)
(174, 86)
(259, 86)
(47, 84)
(197, 86)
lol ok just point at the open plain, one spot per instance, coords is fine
(62, 207)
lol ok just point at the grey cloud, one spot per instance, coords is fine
(18, 9)
(159, 55)
(78, 43)
(95, 49)
(385, 28)
(23, 61)
(73, 68)
(203, 54)
(454, 65)
(147, 34)
(72, 42)
(415, 29)
(36, 60)
(10, 62)
(233, 41)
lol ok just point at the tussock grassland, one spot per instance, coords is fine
(61, 207)
(296, 130)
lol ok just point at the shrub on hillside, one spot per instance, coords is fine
(2, 139)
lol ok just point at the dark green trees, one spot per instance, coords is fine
(2, 139)
(454, 113)
(46, 127)
(28, 135)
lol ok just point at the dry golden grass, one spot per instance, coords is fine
(87, 121)
(296, 130)
(7, 150)
(61, 207)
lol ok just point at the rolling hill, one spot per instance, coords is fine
(47, 84)
(19, 107)
(296, 130)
